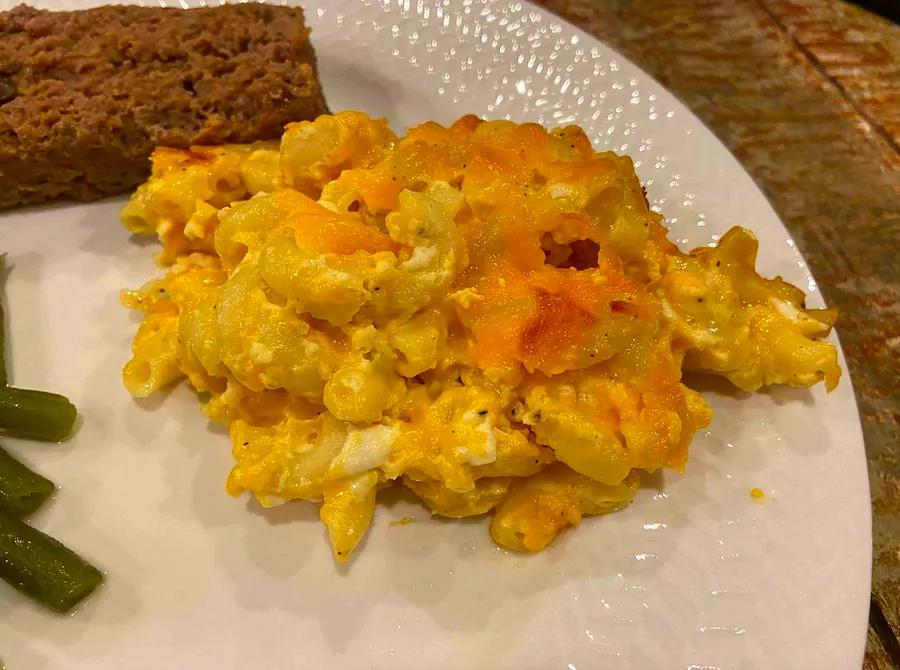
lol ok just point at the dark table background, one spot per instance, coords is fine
(806, 94)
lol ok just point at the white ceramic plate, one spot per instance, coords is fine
(695, 574)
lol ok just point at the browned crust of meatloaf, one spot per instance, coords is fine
(85, 96)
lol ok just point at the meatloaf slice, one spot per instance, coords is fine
(86, 95)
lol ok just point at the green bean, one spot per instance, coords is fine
(22, 491)
(3, 377)
(37, 415)
(42, 567)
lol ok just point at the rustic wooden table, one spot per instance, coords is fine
(806, 93)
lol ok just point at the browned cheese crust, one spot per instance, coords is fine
(85, 96)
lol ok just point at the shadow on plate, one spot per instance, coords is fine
(703, 383)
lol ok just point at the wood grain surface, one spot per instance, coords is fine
(806, 94)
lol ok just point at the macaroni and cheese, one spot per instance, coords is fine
(488, 314)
